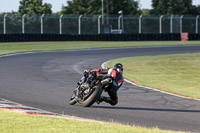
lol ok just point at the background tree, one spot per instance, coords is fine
(162, 7)
(93, 7)
(159, 7)
(82, 7)
(179, 7)
(34, 7)
(145, 12)
(195, 10)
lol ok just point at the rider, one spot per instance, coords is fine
(116, 74)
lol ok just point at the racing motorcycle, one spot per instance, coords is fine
(90, 88)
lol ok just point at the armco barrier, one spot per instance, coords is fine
(98, 37)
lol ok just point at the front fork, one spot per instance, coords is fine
(85, 79)
(78, 89)
(77, 93)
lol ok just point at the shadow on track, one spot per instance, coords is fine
(147, 109)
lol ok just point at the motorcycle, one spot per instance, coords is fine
(90, 88)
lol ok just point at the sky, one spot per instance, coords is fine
(12, 5)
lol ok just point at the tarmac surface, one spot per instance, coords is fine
(46, 80)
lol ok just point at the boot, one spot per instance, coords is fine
(100, 100)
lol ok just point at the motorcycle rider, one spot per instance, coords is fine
(116, 73)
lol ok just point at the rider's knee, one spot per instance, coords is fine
(114, 102)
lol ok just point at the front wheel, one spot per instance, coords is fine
(72, 100)
(93, 97)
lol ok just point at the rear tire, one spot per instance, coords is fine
(93, 97)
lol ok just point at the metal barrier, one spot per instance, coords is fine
(81, 25)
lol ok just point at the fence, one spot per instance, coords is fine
(81, 25)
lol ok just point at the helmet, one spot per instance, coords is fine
(118, 66)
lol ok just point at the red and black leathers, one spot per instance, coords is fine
(117, 76)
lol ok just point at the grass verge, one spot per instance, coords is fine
(7, 48)
(12, 122)
(177, 74)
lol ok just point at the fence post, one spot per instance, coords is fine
(60, 23)
(171, 24)
(23, 27)
(42, 23)
(4, 23)
(161, 24)
(140, 24)
(79, 24)
(122, 23)
(181, 24)
(119, 22)
(197, 24)
(99, 24)
(102, 10)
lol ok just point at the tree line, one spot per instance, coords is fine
(111, 7)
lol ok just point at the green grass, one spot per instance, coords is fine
(12, 122)
(178, 74)
(7, 48)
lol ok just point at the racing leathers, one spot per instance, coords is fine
(117, 77)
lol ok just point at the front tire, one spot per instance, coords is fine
(93, 97)
(72, 100)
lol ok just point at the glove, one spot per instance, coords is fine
(86, 71)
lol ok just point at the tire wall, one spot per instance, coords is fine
(97, 37)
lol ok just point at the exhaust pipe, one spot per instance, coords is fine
(106, 81)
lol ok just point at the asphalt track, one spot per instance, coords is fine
(45, 80)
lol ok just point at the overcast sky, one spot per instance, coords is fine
(12, 5)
